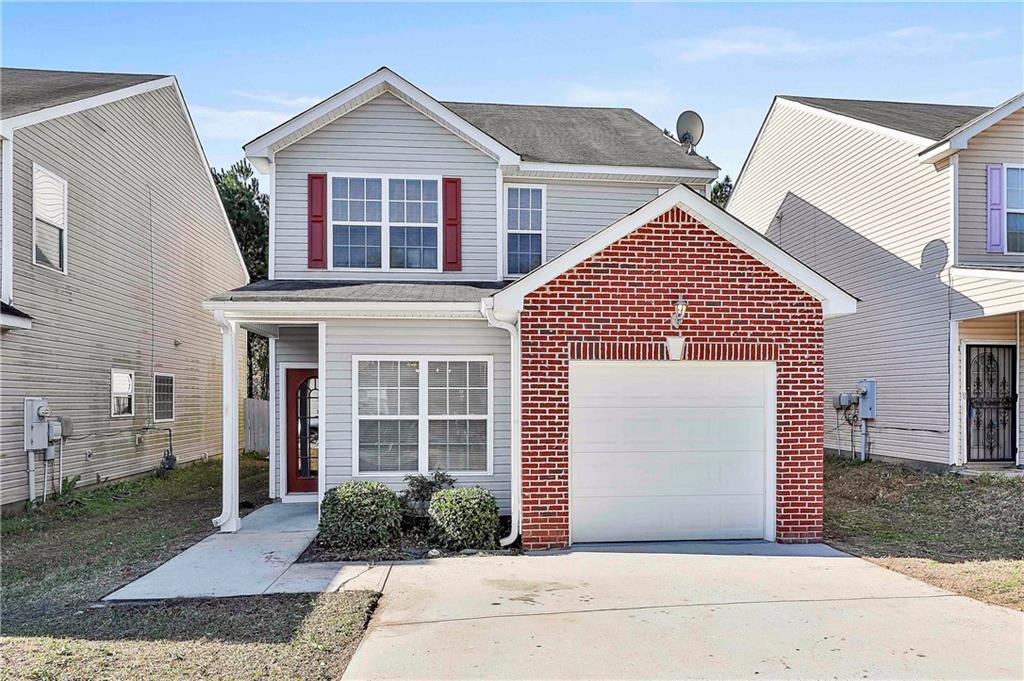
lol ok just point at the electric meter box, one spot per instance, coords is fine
(37, 432)
(866, 404)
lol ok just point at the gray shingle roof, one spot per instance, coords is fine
(23, 91)
(306, 290)
(931, 121)
(579, 135)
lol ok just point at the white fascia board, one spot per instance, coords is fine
(8, 125)
(271, 312)
(986, 273)
(7, 220)
(857, 123)
(259, 147)
(835, 301)
(10, 321)
(538, 167)
(959, 139)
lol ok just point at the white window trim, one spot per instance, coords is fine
(506, 231)
(422, 418)
(64, 228)
(174, 397)
(385, 223)
(1007, 167)
(134, 392)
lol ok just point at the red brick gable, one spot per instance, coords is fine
(616, 305)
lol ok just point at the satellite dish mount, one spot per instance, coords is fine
(689, 130)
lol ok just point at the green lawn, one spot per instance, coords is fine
(60, 560)
(964, 534)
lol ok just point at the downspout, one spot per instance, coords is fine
(487, 308)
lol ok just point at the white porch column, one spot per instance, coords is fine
(228, 520)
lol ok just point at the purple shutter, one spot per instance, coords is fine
(996, 209)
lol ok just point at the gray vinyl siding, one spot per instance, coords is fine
(578, 210)
(294, 345)
(383, 136)
(147, 243)
(1002, 143)
(860, 208)
(346, 338)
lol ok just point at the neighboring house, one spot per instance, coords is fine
(438, 270)
(918, 210)
(113, 234)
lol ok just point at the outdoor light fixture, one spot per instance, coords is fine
(675, 344)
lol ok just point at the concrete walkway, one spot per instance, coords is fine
(258, 559)
(685, 610)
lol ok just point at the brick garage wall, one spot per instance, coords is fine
(616, 305)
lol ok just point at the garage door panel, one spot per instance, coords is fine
(668, 450)
(667, 428)
(670, 518)
(657, 473)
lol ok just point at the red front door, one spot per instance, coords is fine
(303, 430)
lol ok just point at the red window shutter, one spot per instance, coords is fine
(317, 227)
(452, 211)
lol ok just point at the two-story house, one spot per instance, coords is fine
(918, 210)
(112, 236)
(487, 289)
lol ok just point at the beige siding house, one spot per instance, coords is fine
(113, 235)
(917, 210)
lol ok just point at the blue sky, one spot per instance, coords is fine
(246, 67)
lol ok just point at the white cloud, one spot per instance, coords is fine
(651, 95)
(278, 99)
(779, 43)
(238, 125)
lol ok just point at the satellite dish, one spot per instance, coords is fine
(689, 129)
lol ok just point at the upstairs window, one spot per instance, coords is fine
(384, 223)
(49, 219)
(122, 393)
(1015, 209)
(524, 227)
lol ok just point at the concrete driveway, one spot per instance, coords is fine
(706, 610)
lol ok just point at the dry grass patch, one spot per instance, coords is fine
(964, 534)
(60, 560)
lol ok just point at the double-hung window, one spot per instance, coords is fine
(122, 393)
(524, 227)
(1015, 209)
(49, 219)
(418, 415)
(385, 222)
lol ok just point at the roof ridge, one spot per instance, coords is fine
(85, 73)
(547, 106)
(883, 101)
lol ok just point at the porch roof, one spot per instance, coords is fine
(317, 291)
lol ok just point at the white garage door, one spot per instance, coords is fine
(670, 450)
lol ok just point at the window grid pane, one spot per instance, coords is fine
(1015, 188)
(356, 246)
(388, 388)
(524, 253)
(457, 388)
(388, 446)
(49, 245)
(413, 248)
(457, 445)
(413, 201)
(163, 398)
(1015, 232)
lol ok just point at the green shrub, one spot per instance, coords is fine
(416, 499)
(464, 518)
(360, 514)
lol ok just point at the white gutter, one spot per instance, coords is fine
(487, 308)
(7, 219)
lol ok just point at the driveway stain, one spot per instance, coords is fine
(530, 591)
